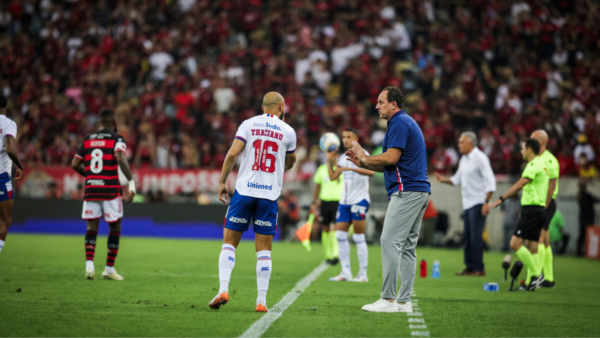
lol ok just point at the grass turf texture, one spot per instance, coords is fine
(169, 282)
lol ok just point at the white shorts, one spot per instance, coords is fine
(112, 210)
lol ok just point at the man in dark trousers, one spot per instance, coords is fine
(587, 215)
(477, 181)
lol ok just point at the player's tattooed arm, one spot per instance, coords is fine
(236, 148)
(124, 166)
(11, 151)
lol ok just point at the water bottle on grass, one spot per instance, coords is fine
(435, 272)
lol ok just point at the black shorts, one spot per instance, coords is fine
(530, 222)
(328, 211)
(549, 214)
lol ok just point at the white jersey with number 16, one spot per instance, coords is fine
(268, 141)
(8, 128)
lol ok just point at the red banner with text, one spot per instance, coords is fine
(42, 181)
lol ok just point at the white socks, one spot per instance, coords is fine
(1, 245)
(363, 253)
(344, 252)
(89, 265)
(226, 264)
(263, 274)
(109, 269)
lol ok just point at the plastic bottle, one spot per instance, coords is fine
(423, 268)
(435, 272)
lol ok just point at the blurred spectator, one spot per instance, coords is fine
(160, 60)
(441, 161)
(583, 147)
(223, 95)
(52, 192)
(194, 70)
(429, 225)
(587, 214)
(165, 158)
(558, 238)
(587, 169)
(289, 213)
(511, 208)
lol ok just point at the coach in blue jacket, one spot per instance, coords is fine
(404, 165)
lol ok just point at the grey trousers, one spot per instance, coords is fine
(399, 241)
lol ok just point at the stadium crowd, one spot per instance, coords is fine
(182, 74)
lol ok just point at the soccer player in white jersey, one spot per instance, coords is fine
(268, 147)
(352, 209)
(8, 156)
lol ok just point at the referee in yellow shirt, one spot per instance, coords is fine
(545, 256)
(327, 195)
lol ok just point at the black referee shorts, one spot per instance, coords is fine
(531, 222)
(328, 211)
(549, 214)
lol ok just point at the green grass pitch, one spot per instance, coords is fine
(169, 282)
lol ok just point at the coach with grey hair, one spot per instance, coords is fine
(478, 183)
(403, 163)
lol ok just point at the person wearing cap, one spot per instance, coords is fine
(583, 147)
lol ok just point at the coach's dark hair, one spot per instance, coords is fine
(395, 95)
(532, 144)
(352, 130)
(3, 102)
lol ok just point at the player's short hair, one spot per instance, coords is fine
(3, 102)
(107, 114)
(394, 95)
(352, 130)
(532, 144)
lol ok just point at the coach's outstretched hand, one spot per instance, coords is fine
(356, 154)
(223, 192)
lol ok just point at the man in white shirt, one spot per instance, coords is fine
(478, 183)
(160, 60)
(224, 96)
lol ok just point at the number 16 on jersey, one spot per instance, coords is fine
(264, 159)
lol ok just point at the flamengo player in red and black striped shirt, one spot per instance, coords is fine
(98, 159)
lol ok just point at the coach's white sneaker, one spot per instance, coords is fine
(114, 275)
(407, 307)
(342, 277)
(381, 305)
(90, 273)
(361, 279)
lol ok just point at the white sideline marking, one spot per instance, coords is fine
(417, 313)
(262, 325)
